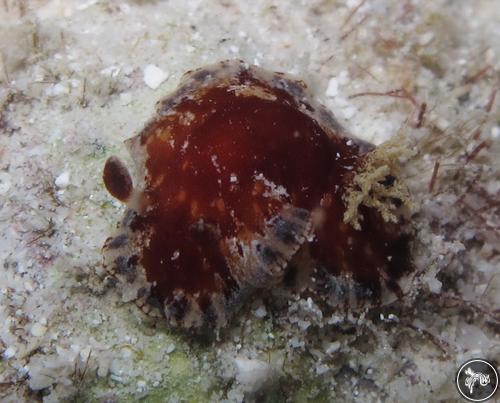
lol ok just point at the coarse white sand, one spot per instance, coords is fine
(79, 77)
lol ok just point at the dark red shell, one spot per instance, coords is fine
(232, 171)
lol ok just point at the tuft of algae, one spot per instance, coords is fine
(377, 183)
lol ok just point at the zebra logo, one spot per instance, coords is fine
(477, 380)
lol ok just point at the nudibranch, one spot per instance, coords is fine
(238, 170)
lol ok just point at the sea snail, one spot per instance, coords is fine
(237, 172)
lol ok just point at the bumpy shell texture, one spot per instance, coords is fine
(238, 172)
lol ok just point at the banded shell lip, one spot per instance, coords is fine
(269, 265)
(344, 292)
(120, 252)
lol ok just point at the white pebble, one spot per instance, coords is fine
(332, 347)
(260, 312)
(333, 87)
(334, 320)
(321, 369)
(62, 180)
(349, 112)
(58, 89)
(495, 132)
(442, 124)
(344, 77)
(393, 317)
(154, 76)
(9, 353)
(434, 285)
(103, 368)
(111, 71)
(252, 373)
(38, 330)
(4, 182)
(296, 343)
(426, 38)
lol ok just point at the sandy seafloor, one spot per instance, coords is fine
(74, 85)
